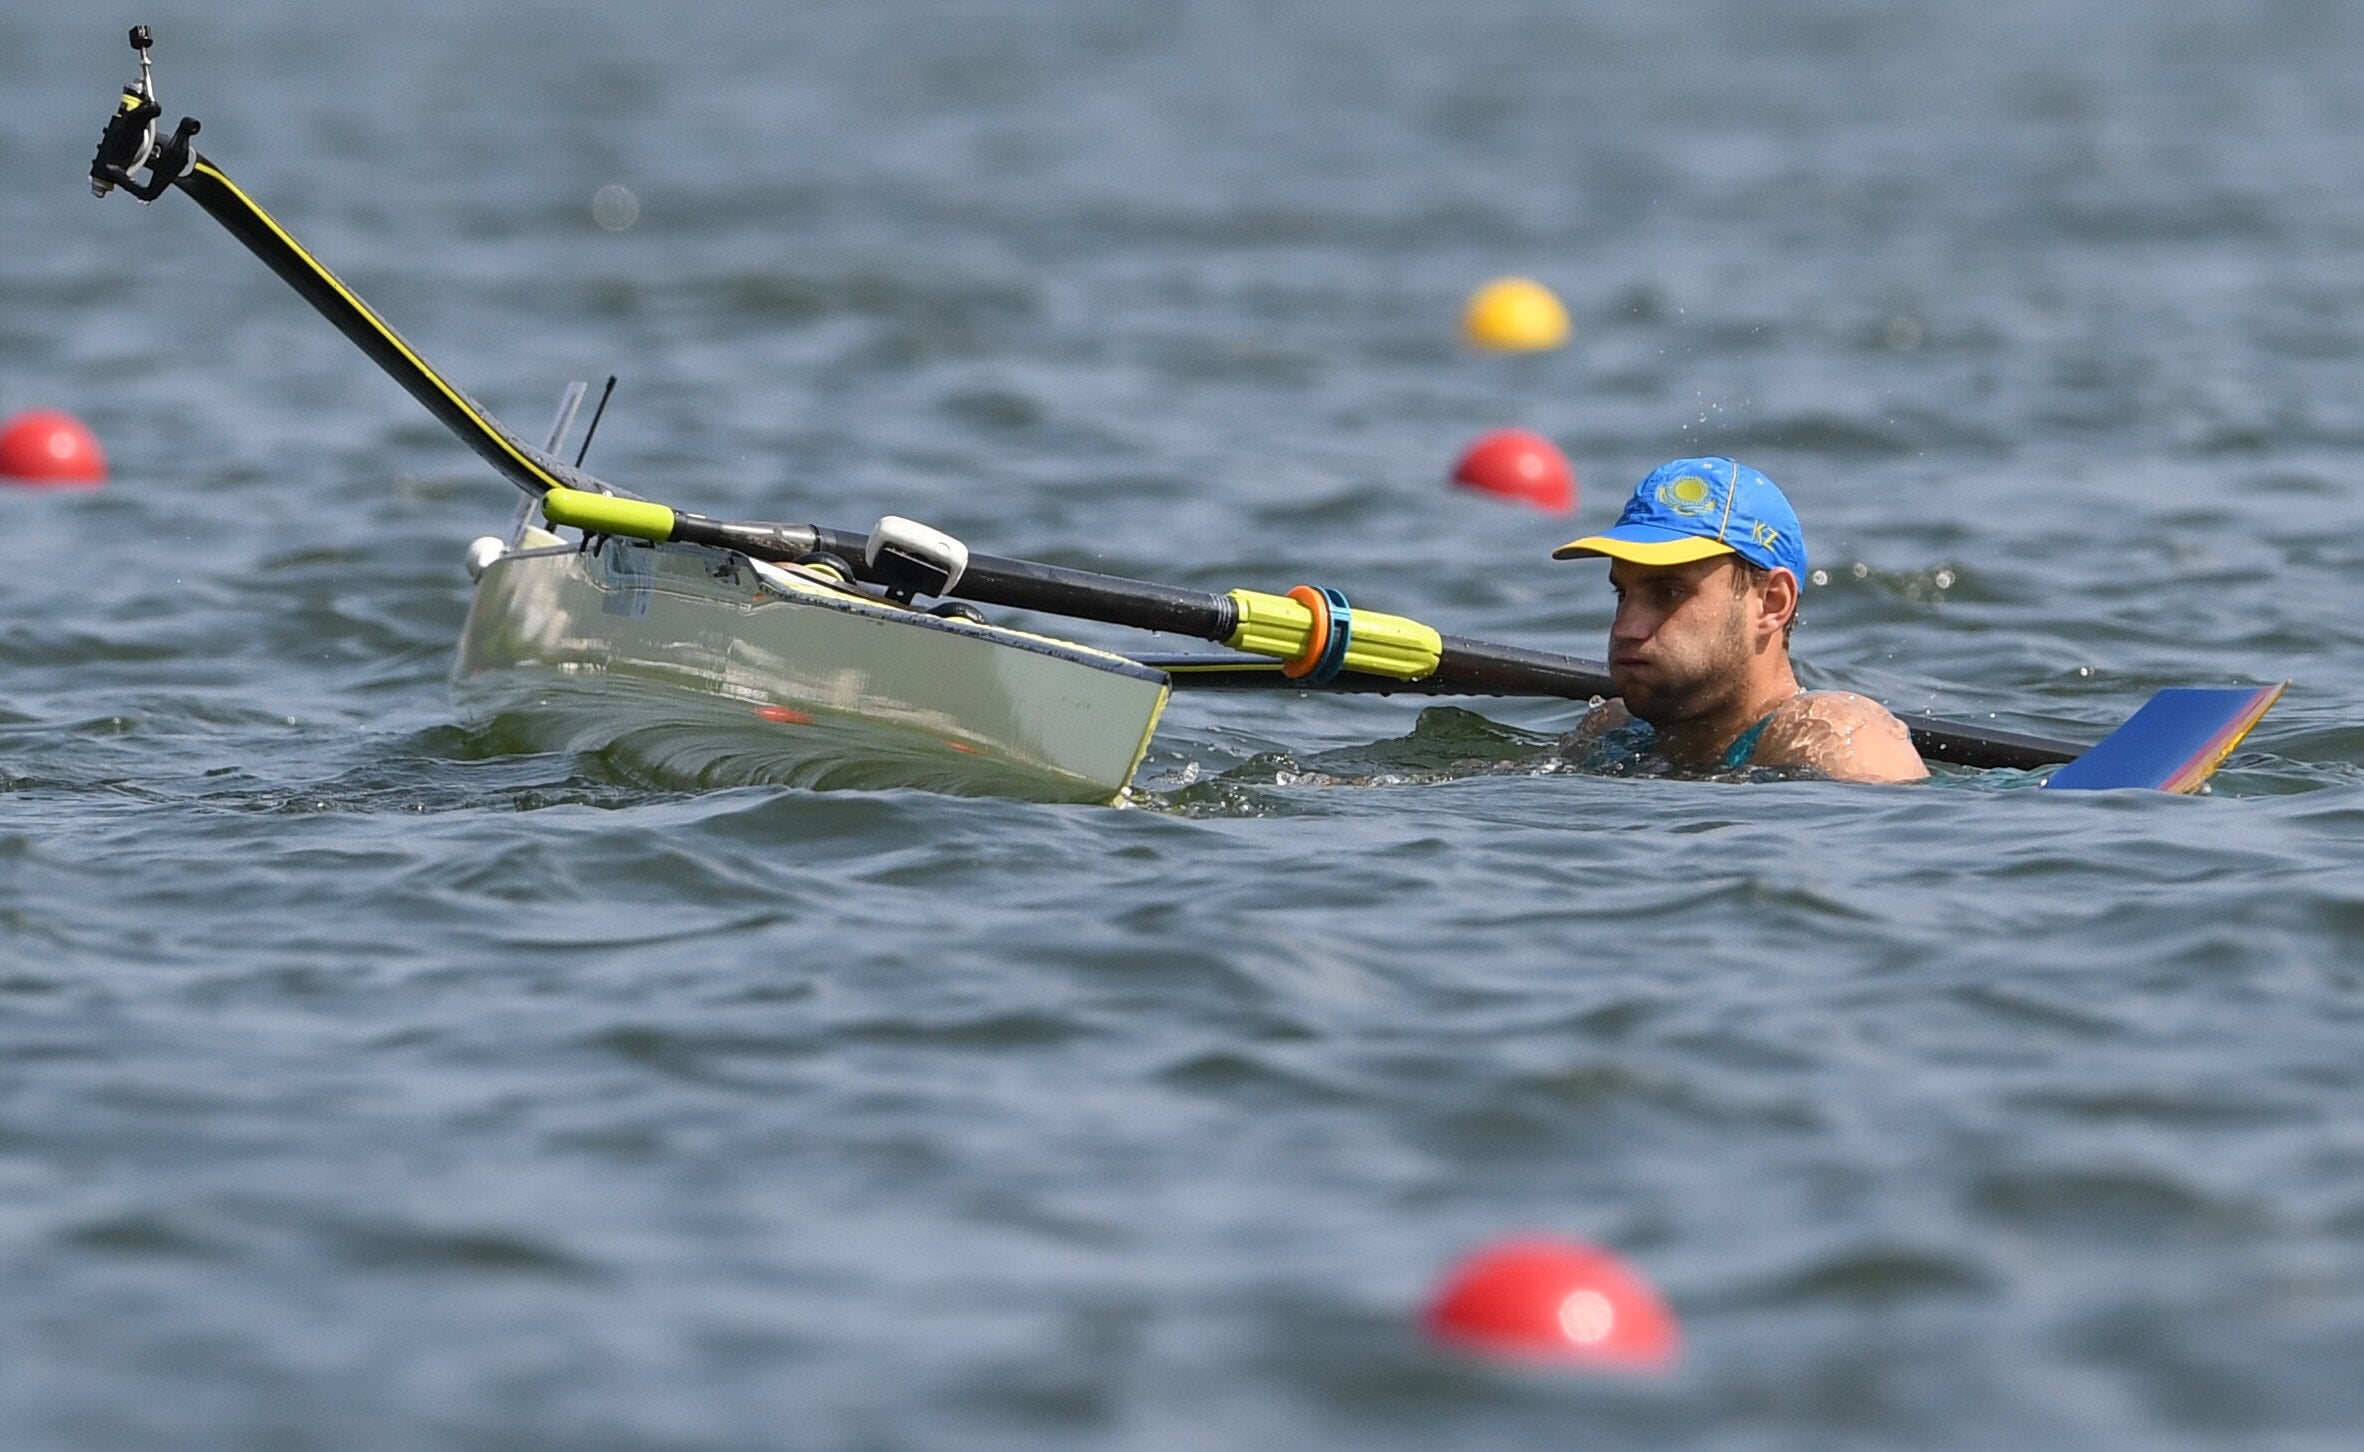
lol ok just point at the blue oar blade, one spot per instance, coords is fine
(2173, 743)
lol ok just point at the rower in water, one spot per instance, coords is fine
(1706, 562)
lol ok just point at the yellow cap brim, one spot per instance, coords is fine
(1655, 552)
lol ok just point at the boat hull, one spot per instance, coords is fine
(707, 668)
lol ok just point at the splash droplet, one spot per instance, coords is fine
(615, 208)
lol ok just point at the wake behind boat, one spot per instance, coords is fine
(806, 646)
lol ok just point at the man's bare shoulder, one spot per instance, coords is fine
(1597, 723)
(1841, 735)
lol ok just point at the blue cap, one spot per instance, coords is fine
(1696, 509)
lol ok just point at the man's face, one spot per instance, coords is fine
(1679, 647)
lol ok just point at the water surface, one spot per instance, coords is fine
(372, 1081)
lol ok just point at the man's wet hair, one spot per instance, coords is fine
(1747, 577)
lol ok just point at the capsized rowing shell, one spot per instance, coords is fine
(727, 668)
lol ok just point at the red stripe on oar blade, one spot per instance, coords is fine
(2207, 759)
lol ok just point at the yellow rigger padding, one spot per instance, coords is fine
(1380, 645)
(607, 514)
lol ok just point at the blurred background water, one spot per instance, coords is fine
(367, 1081)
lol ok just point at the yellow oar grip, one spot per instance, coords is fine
(1390, 645)
(1273, 625)
(606, 514)
(1379, 645)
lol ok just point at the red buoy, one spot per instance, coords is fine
(1543, 1300)
(1516, 464)
(44, 447)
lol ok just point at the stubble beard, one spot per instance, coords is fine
(1678, 696)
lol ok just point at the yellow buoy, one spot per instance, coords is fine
(1515, 315)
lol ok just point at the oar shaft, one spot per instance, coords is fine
(1961, 745)
(1537, 673)
(1019, 584)
(244, 218)
(1477, 668)
(1480, 665)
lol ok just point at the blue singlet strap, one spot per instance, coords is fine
(1744, 745)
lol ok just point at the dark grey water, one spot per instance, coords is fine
(367, 1082)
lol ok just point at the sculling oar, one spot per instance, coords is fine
(1308, 638)
(1934, 738)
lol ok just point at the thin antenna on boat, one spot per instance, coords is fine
(597, 413)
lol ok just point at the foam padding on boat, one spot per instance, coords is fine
(607, 514)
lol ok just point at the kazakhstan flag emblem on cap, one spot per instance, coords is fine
(1695, 509)
(1689, 495)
